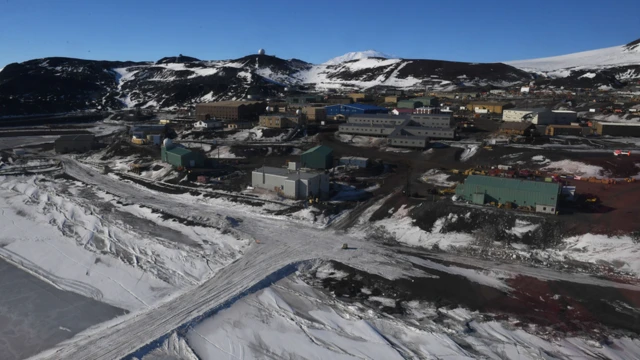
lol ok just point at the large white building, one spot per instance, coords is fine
(414, 130)
(293, 184)
(540, 116)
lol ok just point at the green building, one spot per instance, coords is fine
(319, 157)
(418, 102)
(182, 157)
(543, 196)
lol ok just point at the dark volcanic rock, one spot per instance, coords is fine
(180, 59)
(54, 85)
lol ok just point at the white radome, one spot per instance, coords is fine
(261, 52)
(167, 143)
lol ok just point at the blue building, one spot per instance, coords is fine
(348, 109)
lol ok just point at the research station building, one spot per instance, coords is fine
(290, 183)
(542, 196)
(231, 110)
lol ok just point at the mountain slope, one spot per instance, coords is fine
(356, 55)
(63, 84)
(612, 66)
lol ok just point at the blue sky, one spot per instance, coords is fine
(314, 31)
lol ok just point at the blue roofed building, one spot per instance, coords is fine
(349, 109)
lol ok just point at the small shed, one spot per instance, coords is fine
(319, 157)
(360, 162)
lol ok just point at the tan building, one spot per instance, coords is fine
(357, 97)
(278, 121)
(314, 114)
(339, 101)
(231, 110)
(488, 106)
(393, 99)
(555, 130)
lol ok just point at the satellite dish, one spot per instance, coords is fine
(167, 143)
(261, 52)
(298, 112)
(286, 89)
(249, 96)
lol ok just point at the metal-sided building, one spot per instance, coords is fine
(291, 183)
(278, 121)
(543, 196)
(230, 110)
(540, 116)
(492, 107)
(418, 102)
(319, 157)
(346, 110)
(617, 129)
(443, 121)
(555, 130)
(74, 143)
(314, 114)
(182, 157)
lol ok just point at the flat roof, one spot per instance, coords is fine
(354, 158)
(565, 126)
(386, 126)
(489, 103)
(362, 106)
(428, 128)
(178, 150)
(79, 137)
(379, 116)
(550, 188)
(231, 103)
(320, 148)
(531, 110)
(618, 124)
(286, 173)
(409, 137)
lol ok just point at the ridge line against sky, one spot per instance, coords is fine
(458, 30)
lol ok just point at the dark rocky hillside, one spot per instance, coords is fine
(54, 85)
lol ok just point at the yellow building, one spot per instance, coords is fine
(278, 121)
(314, 114)
(357, 97)
(393, 99)
(488, 106)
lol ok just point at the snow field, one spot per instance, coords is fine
(575, 167)
(437, 177)
(290, 319)
(116, 262)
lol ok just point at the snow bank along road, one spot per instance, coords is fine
(282, 243)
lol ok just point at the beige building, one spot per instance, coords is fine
(393, 99)
(488, 106)
(357, 97)
(314, 114)
(230, 110)
(278, 121)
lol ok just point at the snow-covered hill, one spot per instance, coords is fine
(617, 63)
(356, 55)
(63, 84)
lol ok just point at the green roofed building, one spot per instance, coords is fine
(182, 157)
(543, 196)
(319, 157)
